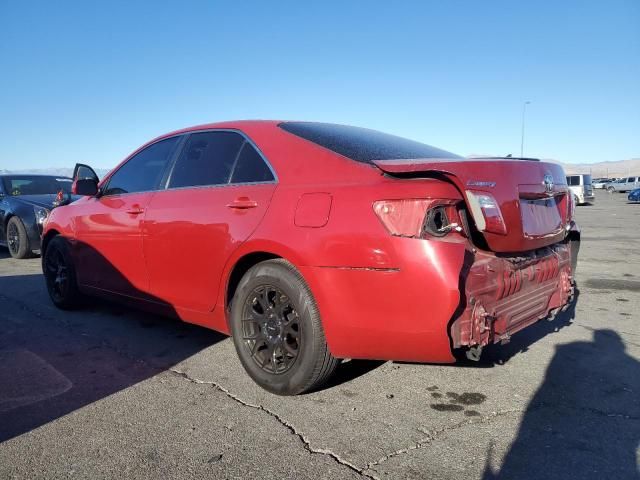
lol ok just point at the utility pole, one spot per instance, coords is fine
(524, 109)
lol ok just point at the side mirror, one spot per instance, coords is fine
(85, 186)
(82, 171)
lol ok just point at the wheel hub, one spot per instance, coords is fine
(271, 329)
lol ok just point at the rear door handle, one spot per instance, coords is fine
(243, 203)
(135, 211)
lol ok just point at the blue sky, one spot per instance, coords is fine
(91, 81)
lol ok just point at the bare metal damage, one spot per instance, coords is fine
(506, 294)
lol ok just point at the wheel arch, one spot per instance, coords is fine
(46, 239)
(8, 217)
(240, 268)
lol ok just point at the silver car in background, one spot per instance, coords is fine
(602, 183)
(624, 185)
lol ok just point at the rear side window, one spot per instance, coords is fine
(251, 167)
(362, 144)
(143, 171)
(586, 179)
(207, 159)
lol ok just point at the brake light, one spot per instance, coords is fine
(486, 213)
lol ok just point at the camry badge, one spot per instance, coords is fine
(548, 183)
(477, 183)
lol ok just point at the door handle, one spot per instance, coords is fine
(135, 211)
(243, 203)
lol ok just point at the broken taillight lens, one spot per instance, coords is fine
(402, 217)
(418, 217)
(486, 213)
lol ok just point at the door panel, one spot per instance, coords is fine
(109, 243)
(190, 233)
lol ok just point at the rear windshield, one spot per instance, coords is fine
(362, 144)
(35, 185)
(587, 179)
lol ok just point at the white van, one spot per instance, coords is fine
(580, 186)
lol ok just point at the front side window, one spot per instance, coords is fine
(143, 171)
(207, 159)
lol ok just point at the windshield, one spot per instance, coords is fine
(35, 185)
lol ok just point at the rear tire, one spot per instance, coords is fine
(60, 275)
(277, 330)
(17, 239)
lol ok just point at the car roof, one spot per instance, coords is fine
(285, 152)
(242, 125)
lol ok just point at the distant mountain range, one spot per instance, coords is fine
(57, 171)
(620, 168)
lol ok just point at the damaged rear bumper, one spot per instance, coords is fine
(503, 295)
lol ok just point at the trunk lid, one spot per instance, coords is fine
(531, 195)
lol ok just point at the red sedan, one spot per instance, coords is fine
(312, 242)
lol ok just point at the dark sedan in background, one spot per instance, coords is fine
(634, 195)
(25, 203)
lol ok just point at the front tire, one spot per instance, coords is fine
(17, 239)
(277, 330)
(60, 275)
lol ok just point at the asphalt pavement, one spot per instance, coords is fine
(107, 392)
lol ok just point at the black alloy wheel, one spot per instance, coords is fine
(277, 331)
(59, 273)
(271, 329)
(17, 240)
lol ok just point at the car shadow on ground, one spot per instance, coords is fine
(521, 341)
(584, 420)
(53, 363)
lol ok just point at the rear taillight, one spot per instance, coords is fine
(402, 217)
(486, 213)
(417, 217)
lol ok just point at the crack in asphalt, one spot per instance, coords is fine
(592, 410)
(430, 437)
(305, 442)
(433, 435)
